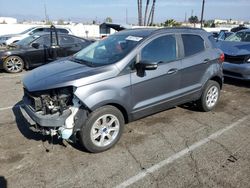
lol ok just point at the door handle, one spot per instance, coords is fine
(206, 61)
(172, 71)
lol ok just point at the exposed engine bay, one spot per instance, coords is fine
(50, 101)
(54, 111)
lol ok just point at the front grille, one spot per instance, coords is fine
(235, 59)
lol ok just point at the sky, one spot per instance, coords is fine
(88, 10)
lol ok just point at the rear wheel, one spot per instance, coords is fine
(209, 97)
(102, 130)
(13, 64)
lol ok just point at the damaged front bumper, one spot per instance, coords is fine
(63, 123)
(49, 120)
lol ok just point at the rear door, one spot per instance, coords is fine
(194, 64)
(157, 86)
(69, 45)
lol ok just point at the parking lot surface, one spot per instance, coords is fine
(180, 147)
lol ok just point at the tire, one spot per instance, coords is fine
(97, 136)
(13, 64)
(210, 96)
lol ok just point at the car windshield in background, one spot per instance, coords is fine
(239, 37)
(27, 40)
(26, 31)
(107, 51)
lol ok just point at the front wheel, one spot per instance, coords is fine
(102, 129)
(209, 97)
(13, 64)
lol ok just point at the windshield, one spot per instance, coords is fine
(26, 31)
(239, 37)
(107, 51)
(27, 40)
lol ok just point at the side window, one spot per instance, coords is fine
(44, 40)
(78, 40)
(38, 30)
(161, 49)
(193, 44)
(64, 40)
(62, 31)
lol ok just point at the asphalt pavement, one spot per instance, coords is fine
(180, 147)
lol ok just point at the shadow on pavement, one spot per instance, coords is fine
(236, 82)
(29, 132)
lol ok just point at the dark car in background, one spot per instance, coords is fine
(237, 55)
(127, 76)
(39, 49)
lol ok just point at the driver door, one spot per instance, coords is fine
(157, 88)
(39, 56)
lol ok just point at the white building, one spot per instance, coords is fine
(219, 21)
(8, 20)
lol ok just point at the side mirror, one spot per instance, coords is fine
(145, 65)
(35, 45)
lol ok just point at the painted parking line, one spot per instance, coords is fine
(9, 107)
(178, 155)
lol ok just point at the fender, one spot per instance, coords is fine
(103, 97)
(211, 73)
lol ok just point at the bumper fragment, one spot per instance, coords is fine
(50, 120)
(239, 71)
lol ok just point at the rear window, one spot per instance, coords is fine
(193, 44)
(63, 31)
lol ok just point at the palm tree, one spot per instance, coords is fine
(151, 14)
(139, 4)
(193, 19)
(146, 12)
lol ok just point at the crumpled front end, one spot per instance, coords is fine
(53, 111)
(237, 66)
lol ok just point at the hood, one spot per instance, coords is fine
(234, 48)
(64, 73)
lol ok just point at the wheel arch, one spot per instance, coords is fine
(218, 79)
(121, 109)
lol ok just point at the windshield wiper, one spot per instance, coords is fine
(88, 63)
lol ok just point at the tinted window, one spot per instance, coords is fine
(63, 40)
(38, 30)
(193, 44)
(44, 40)
(161, 49)
(63, 31)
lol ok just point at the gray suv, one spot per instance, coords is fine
(129, 75)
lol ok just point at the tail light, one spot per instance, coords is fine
(222, 58)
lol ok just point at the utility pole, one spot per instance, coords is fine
(139, 4)
(45, 13)
(202, 12)
(153, 12)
